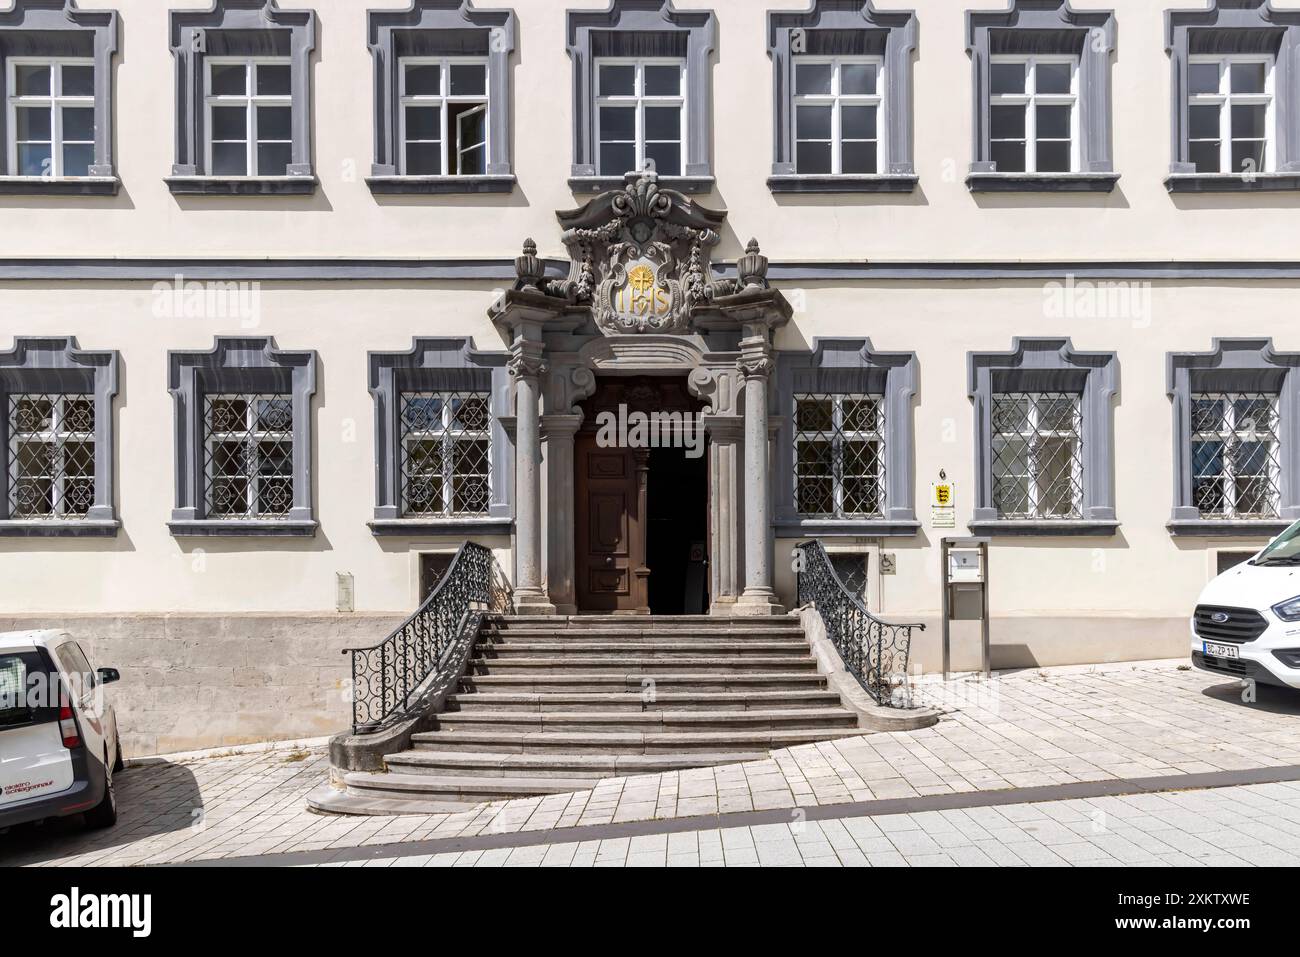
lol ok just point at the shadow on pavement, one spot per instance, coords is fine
(1267, 698)
(151, 800)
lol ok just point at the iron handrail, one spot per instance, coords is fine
(387, 677)
(873, 650)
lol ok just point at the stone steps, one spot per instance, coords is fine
(639, 649)
(625, 742)
(693, 636)
(647, 721)
(588, 767)
(638, 701)
(698, 682)
(641, 665)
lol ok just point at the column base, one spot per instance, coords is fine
(754, 604)
(533, 603)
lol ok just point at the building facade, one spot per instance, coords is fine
(358, 285)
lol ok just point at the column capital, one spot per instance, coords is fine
(527, 360)
(755, 360)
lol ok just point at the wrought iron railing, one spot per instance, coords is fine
(874, 651)
(389, 679)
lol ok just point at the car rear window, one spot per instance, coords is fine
(28, 689)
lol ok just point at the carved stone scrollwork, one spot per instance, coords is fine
(527, 361)
(756, 365)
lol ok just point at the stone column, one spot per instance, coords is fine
(725, 505)
(558, 432)
(526, 368)
(758, 598)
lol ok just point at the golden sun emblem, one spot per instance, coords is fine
(641, 279)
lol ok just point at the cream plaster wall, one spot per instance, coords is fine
(941, 220)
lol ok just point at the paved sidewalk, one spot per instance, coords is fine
(1249, 826)
(1027, 729)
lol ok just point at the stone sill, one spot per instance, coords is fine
(242, 185)
(455, 527)
(837, 528)
(58, 528)
(806, 183)
(60, 186)
(242, 528)
(1213, 528)
(1045, 527)
(601, 184)
(1041, 182)
(438, 185)
(1232, 182)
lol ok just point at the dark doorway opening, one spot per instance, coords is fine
(677, 535)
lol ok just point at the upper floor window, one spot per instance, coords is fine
(1033, 122)
(444, 116)
(51, 117)
(837, 115)
(1236, 463)
(839, 446)
(640, 115)
(1037, 455)
(1230, 114)
(249, 117)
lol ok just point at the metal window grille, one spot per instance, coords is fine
(852, 571)
(446, 453)
(51, 455)
(1037, 455)
(1236, 468)
(839, 450)
(248, 453)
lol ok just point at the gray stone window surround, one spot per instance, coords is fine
(440, 365)
(52, 364)
(1234, 365)
(1048, 365)
(239, 27)
(1235, 26)
(848, 365)
(1045, 26)
(448, 21)
(893, 34)
(653, 17)
(55, 28)
(239, 364)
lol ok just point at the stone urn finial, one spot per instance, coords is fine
(751, 268)
(528, 267)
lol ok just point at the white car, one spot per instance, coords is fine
(1247, 621)
(58, 735)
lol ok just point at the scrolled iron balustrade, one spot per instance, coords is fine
(387, 678)
(875, 652)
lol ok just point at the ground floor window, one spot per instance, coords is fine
(1236, 466)
(51, 455)
(1037, 455)
(248, 441)
(446, 453)
(839, 451)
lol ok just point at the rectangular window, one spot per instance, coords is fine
(51, 117)
(640, 115)
(837, 115)
(839, 450)
(249, 118)
(444, 116)
(1037, 455)
(446, 453)
(248, 444)
(51, 455)
(1236, 467)
(851, 567)
(1230, 114)
(1033, 118)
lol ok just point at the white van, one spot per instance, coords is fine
(58, 734)
(1247, 621)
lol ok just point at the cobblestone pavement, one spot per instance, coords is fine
(1256, 825)
(1031, 728)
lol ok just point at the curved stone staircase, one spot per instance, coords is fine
(553, 704)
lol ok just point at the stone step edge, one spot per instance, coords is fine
(647, 717)
(617, 765)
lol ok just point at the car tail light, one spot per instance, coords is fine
(68, 728)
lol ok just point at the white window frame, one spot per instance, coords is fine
(640, 100)
(443, 98)
(251, 438)
(447, 435)
(1033, 435)
(250, 100)
(1031, 101)
(54, 102)
(837, 436)
(835, 99)
(1231, 431)
(57, 437)
(1225, 99)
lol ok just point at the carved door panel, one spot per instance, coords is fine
(610, 528)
